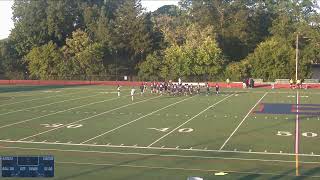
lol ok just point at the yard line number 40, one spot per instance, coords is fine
(305, 134)
(182, 130)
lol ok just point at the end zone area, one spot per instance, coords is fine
(94, 134)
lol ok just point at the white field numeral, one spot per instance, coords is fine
(309, 134)
(305, 134)
(183, 130)
(72, 126)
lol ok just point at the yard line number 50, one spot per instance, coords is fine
(305, 134)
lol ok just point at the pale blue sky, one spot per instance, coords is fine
(6, 12)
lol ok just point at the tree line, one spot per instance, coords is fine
(197, 40)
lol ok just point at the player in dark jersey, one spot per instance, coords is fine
(208, 88)
(217, 88)
(141, 89)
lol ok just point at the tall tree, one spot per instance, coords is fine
(44, 61)
(130, 35)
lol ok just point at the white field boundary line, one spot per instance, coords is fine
(128, 123)
(31, 119)
(158, 148)
(160, 155)
(158, 167)
(90, 117)
(213, 105)
(38, 98)
(10, 112)
(242, 121)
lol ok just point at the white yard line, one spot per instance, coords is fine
(160, 148)
(135, 120)
(189, 120)
(90, 117)
(47, 97)
(31, 119)
(10, 112)
(297, 126)
(242, 121)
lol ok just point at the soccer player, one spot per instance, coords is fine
(228, 82)
(132, 92)
(118, 89)
(291, 84)
(217, 88)
(141, 89)
(299, 85)
(198, 88)
(208, 88)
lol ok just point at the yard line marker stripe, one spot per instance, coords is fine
(90, 117)
(190, 120)
(162, 148)
(27, 120)
(160, 155)
(242, 121)
(49, 104)
(297, 136)
(135, 120)
(37, 99)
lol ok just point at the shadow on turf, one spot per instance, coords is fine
(106, 167)
(22, 88)
(309, 173)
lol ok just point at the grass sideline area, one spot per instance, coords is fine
(94, 134)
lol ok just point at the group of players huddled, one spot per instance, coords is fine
(178, 89)
(174, 89)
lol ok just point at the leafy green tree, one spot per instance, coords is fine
(273, 59)
(236, 71)
(130, 35)
(12, 66)
(30, 25)
(200, 56)
(82, 57)
(43, 62)
(150, 68)
(63, 17)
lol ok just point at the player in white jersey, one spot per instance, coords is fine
(132, 93)
(118, 89)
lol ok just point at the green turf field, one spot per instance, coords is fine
(93, 134)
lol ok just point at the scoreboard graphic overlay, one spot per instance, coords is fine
(27, 166)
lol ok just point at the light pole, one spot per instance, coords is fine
(297, 55)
